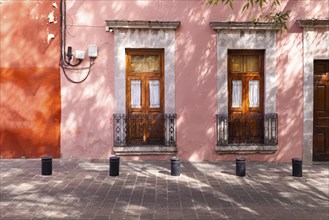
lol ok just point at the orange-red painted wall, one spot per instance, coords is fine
(30, 101)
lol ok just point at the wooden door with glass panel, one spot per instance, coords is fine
(144, 96)
(246, 99)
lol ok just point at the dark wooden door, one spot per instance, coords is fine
(246, 96)
(144, 97)
(321, 111)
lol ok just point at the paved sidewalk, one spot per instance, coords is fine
(82, 189)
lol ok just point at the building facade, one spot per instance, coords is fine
(153, 79)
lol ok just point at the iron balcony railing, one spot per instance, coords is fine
(144, 129)
(258, 129)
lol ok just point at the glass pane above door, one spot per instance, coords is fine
(236, 64)
(145, 63)
(251, 64)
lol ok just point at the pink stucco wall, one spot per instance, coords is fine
(87, 108)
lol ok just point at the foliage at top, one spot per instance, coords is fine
(278, 18)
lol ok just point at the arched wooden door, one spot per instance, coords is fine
(145, 96)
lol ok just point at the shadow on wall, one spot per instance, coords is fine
(30, 112)
(30, 87)
(88, 107)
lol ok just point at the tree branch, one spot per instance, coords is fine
(278, 18)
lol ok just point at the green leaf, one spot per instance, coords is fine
(245, 7)
(212, 2)
(278, 19)
(231, 4)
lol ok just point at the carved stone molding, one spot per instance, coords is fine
(313, 23)
(231, 25)
(125, 24)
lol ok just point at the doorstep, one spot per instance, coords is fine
(246, 149)
(145, 150)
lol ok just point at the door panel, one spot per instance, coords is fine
(320, 97)
(155, 133)
(237, 118)
(135, 103)
(246, 96)
(320, 141)
(145, 124)
(321, 111)
(155, 120)
(135, 128)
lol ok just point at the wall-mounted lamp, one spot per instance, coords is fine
(108, 29)
(79, 56)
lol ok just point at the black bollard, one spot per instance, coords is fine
(114, 166)
(297, 164)
(240, 166)
(175, 166)
(46, 165)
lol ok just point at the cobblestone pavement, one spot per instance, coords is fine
(82, 189)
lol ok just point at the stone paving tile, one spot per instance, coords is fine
(82, 189)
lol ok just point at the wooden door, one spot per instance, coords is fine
(246, 96)
(144, 97)
(321, 111)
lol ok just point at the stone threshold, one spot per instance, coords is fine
(145, 150)
(246, 149)
(320, 163)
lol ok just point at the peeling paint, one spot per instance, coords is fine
(54, 5)
(50, 36)
(51, 17)
(34, 14)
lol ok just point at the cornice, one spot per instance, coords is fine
(125, 24)
(313, 23)
(232, 25)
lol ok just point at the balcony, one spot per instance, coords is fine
(140, 133)
(247, 133)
